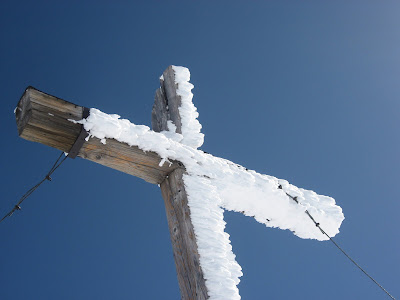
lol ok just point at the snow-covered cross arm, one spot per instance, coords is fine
(211, 184)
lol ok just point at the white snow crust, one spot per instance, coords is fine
(214, 184)
(220, 269)
(190, 125)
(171, 133)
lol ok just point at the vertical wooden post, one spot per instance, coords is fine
(190, 275)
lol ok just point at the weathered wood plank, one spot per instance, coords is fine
(159, 113)
(187, 260)
(44, 118)
(184, 244)
(40, 122)
(167, 103)
(130, 160)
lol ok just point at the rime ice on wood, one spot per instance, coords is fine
(221, 271)
(190, 125)
(214, 183)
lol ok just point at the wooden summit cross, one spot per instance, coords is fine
(47, 119)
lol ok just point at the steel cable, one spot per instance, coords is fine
(17, 206)
(323, 232)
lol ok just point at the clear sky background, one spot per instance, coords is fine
(305, 91)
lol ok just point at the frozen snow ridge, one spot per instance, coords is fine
(190, 125)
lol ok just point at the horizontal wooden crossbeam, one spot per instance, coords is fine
(45, 119)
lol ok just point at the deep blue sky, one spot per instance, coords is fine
(305, 91)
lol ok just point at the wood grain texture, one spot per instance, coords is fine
(166, 104)
(127, 159)
(44, 118)
(187, 259)
(190, 275)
